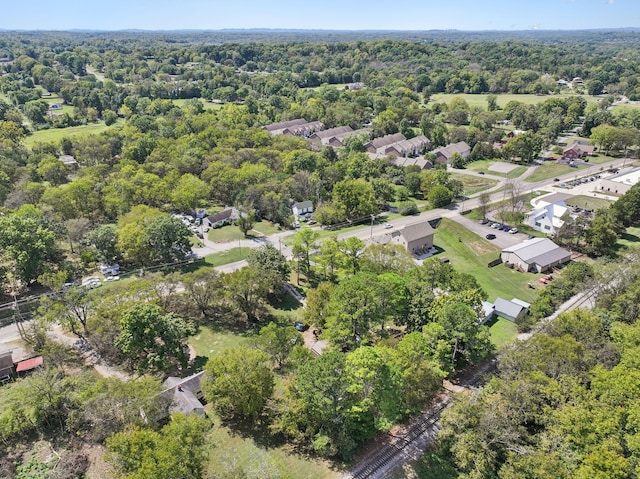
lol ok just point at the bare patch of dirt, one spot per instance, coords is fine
(98, 467)
(479, 248)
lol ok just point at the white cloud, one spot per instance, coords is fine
(610, 2)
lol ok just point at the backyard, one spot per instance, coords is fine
(233, 233)
(56, 134)
(474, 184)
(469, 253)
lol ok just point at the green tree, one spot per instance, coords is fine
(151, 340)
(36, 111)
(439, 196)
(272, 263)
(247, 289)
(189, 193)
(355, 197)
(304, 243)
(27, 243)
(178, 450)
(278, 342)
(238, 383)
(246, 220)
(352, 249)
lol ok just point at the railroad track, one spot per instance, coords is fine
(426, 424)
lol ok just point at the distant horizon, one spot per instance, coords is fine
(331, 15)
(311, 30)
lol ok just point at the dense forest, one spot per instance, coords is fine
(108, 139)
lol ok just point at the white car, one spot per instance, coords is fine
(513, 231)
(388, 226)
(108, 279)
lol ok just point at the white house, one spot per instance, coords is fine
(536, 254)
(511, 310)
(548, 218)
(302, 208)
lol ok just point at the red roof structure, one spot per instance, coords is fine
(29, 364)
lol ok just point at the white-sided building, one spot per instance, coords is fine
(536, 255)
(547, 217)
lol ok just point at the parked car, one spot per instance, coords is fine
(513, 231)
(496, 226)
(481, 172)
(490, 236)
(111, 278)
(556, 179)
(312, 222)
(300, 326)
(483, 221)
(388, 226)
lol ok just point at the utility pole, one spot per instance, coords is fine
(371, 235)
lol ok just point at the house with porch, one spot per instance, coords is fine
(302, 208)
(224, 217)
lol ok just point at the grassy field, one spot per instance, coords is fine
(471, 255)
(233, 233)
(483, 165)
(551, 169)
(502, 332)
(481, 99)
(588, 202)
(226, 257)
(262, 453)
(630, 239)
(210, 343)
(207, 104)
(474, 184)
(56, 134)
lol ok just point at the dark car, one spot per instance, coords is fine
(490, 236)
(556, 179)
(506, 228)
(300, 326)
(481, 172)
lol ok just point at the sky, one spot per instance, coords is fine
(322, 14)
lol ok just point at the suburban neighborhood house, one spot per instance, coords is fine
(331, 132)
(416, 238)
(513, 310)
(420, 161)
(297, 127)
(577, 151)
(378, 145)
(547, 217)
(621, 183)
(536, 255)
(185, 394)
(302, 208)
(411, 147)
(444, 155)
(225, 217)
(339, 139)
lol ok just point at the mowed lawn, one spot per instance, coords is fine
(233, 233)
(483, 165)
(474, 184)
(551, 169)
(502, 332)
(226, 257)
(470, 253)
(207, 104)
(480, 100)
(588, 202)
(56, 134)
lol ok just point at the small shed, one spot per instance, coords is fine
(29, 364)
(512, 310)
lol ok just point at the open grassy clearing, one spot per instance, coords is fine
(226, 257)
(483, 165)
(588, 202)
(480, 100)
(207, 104)
(262, 453)
(502, 332)
(233, 233)
(629, 240)
(210, 342)
(474, 184)
(470, 253)
(550, 169)
(56, 134)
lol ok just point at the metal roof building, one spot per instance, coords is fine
(536, 255)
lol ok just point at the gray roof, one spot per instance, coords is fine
(524, 304)
(303, 204)
(461, 148)
(386, 140)
(340, 130)
(508, 308)
(540, 251)
(222, 215)
(555, 197)
(183, 393)
(417, 231)
(284, 124)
